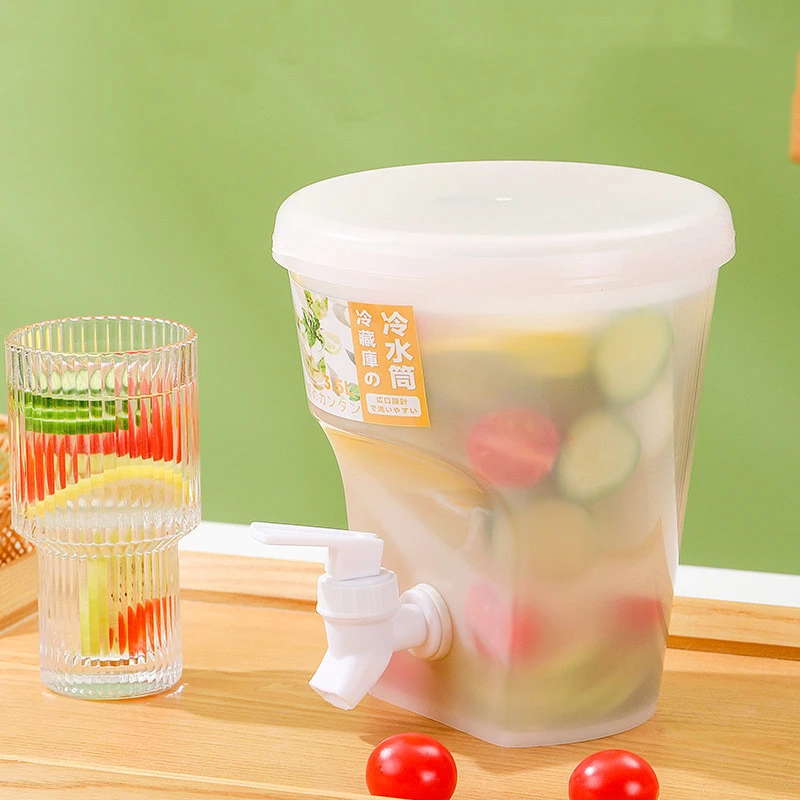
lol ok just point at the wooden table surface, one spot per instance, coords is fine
(243, 723)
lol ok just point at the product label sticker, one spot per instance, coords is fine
(361, 361)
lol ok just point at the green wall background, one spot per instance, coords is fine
(145, 147)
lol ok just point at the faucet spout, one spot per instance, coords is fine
(359, 650)
(344, 681)
(366, 618)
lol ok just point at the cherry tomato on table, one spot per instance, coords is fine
(513, 448)
(411, 766)
(613, 775)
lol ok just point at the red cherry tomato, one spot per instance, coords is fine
(411, 766)
(502, 632)
(613, 775)
(513, 448)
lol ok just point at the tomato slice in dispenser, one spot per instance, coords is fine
(502, 630)
(513, 448)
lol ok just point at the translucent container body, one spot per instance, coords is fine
(545, 497)
(105, 480)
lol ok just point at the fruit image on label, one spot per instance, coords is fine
(513, 448)
(361, 361)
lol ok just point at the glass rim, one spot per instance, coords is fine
(13, 339)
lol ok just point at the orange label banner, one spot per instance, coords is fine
(388, 364)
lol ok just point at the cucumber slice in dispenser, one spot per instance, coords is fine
(598, 455)
(631, 355)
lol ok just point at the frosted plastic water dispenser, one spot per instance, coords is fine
(507, 359)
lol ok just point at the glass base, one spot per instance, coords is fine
(116, 684)
(109, 622)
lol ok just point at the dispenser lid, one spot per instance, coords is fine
(548, 224)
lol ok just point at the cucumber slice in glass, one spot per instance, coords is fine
(111, 381)
(64, 427)
(631, 355)
(68, 382)
(95, 382)
(76, 413)
(55, 382)
(598, 455)
(63, 416)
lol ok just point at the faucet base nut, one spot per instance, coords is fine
(440, 628)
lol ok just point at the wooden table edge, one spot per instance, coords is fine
(718, 626)
(696, 624)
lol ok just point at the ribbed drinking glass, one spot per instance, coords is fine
(105, 480)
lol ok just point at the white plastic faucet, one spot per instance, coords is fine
(366, 617)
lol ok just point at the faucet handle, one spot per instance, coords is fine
(366, 621)
(351, 554)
